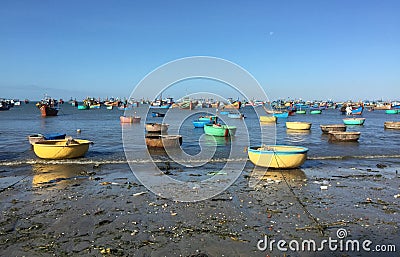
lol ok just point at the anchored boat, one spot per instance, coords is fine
(392, 125)
(333, 127)
(163, 141)
(354, 121)
(219, 130)
(344, 136)
(157, 127)
(278, 156)
(298, 125)
(62, 148)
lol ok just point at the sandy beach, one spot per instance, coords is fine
(102, 210)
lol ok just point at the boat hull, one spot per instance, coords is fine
(315, 112)
(392, 125)
(156, 127)
(298, 125)
(219, 131)
(129, 119)
(354, 121)
(163, 141)
(300, 112)
(392, 111)
(268, 119)
(48, 111)
(61, 149)
(333, 127)
(281, 115)
(344, 136)
(200, 124)
(278, 156)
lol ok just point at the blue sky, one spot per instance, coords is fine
(298, 49)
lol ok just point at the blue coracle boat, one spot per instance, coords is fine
(200, 123)
(281, 115)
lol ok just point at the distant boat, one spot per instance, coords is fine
(357, 111)
(224, 113)
(208, 118)
(157, 114)
(315, 112)
(156, 127)
(236, 116)
(392, 125)
(333, 127)
(163, 141)
(392, 111)
(4, 106)
(301, 112)
(219, 130)
(344, 136)
(268, 119)
(298, 125)
(278, 156)
(109, 107)
(83, 107)
(61, 149)
(48, 107)
(95, 106)
(281, 115)
(129, 119)
(124, 108)
(201, 123)
(354, 121)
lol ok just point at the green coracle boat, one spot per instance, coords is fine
(219, 130)
(301, 112)
(392, 111)
(316, 112)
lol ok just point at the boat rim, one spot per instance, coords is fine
(299, 149)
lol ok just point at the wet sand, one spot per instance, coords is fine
(86, 210)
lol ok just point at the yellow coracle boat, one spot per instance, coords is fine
(278, 156)
(298, 125)
(61, 149)
(268, 119)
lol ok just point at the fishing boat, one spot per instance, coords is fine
(157, 114)
(315, 112)
(163, 141)
(392, 111)
(83, 107)
(278, 156)
(268, 119)
(354, 121)
(332, 128)
(124, 108)
(236, 116)
(392, 125)
(357, 111)
(282, 115)
(42, 137)
(4, 106)
(95, 106)
(48, 107)
(298, 125)
(344, 136)
(156, 127)
(200, 123)
(219, 130)
(129, 119)
(208, 118)
(109, 107)
(301, 112)
(162, 104)
(61, 148)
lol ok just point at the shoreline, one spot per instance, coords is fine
(103, 210)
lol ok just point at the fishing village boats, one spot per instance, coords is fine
(163, 141)
(43, 137)
(332, 128)
(298, 125)
(48, 107)
(201, 123)
(156, 127)
(344, 136)
(61, 148)
(129, 119)
(278, 156)
(392, 111)
(219, 130)
(268, 119)
(392, 125)
(157, 114)
(354, 121)
(236, 116)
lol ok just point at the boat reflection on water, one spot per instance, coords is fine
(292, 176)
(52, 174)
(297, 135)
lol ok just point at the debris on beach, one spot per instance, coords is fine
(381, 165)
(140, 193)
